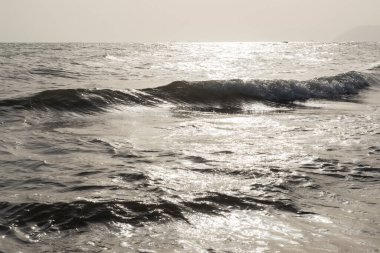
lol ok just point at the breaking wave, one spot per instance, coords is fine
(199, 92)
(113, 58)
(375, 66)
(278, 91)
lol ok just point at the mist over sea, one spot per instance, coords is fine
(190, 147)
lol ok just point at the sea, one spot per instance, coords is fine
(190, 147)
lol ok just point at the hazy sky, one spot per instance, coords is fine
(182, 20)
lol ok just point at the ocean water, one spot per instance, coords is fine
(190, 147)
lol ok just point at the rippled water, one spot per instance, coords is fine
(190, 147)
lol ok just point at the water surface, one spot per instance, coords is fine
(190, 147)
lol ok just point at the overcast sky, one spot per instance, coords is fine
(182, 20)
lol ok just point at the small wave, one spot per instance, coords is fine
(228, 94)
(49, 217)
(375, 66)
(63, 216)
(252, 203)
(114, 58)
(343, 171)
(278, 91)
(80, 100)
(55, 72)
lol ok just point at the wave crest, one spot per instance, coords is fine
(210, 92)
(113, 58)
(279, 91)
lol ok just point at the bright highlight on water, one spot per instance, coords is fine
(190, 147)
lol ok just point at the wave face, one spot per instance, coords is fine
(72, 215)
(279, 91)
(80, 100)
(200, 92)
(375, 66)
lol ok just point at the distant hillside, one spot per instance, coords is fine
(361, 33)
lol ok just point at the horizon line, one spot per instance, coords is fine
(191, 41)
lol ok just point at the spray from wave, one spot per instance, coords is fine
(113, 58)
